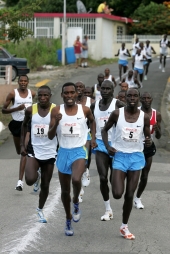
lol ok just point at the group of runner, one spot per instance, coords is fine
(117, 130)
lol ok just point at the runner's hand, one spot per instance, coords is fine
(93, 143)
(148, 142)
(111, 150)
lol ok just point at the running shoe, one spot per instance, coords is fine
(141, 85)
(145, 77)
(124, 231)
(37, 183)
(76, 213)
(160, 66)
(163, 69)
(19, 186)
(86, 178)
(107, 216)
(80, 199)
(68, 229)
(40, 215)
(137, 203)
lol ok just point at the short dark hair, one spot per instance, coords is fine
(23, 76)
(45, 87)
(134, 88)
(122, 91)
(68, 84)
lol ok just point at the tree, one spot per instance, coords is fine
(153, 19)
(9, 18)
(11, 3)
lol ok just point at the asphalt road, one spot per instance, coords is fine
(21, 233)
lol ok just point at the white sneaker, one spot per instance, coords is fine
(145, 77)
(19, 186)
(141, 85)
(163, 69)
(86, 178)
(160, 66)
(107, 216)
(80, 199)
(137, 203)
(124, 231)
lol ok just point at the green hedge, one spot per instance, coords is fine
(38, 52)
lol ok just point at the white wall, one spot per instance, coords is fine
(107, 39)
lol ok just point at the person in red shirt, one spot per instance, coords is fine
(77, 50)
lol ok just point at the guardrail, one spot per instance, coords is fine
(6, 73)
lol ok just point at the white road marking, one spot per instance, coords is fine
(31, 234)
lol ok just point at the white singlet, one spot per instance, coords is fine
(134, 48)
(101, 117)
(43, 147)
(72, 130)
(148, 52)
(131, 83)
(109, 78)
(128, 137)
(138, 62)
(97, 93)
(18, 100)
(88, 102)
(121, 54)
(164, 47)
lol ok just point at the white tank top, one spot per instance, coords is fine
(164, 43)
(19, 115)
(101, 117)
(88, 102)
(43, 147)
(109, 78)
(138, 62)
(148, 51)
(121, 54)
(72, 130)
(134, 48)
(97, 93)
(128, 137)
(131, 82)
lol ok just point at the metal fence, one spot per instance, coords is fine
(143, 38)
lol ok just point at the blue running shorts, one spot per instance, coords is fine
(123, 62)
(140, 71)
(128, 161)
(66, 157)
(101, 147)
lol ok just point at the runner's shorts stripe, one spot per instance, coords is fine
(15, 128)
(128, 161)
(66, 157)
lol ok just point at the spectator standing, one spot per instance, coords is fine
(84, 52)
(77, 50)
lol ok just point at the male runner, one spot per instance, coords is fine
(20, 98)
(96, 88)
(69, 120)
(108, 76)
(102, 110)
(88, 92)
(127, 148)
(164, 44)
(41, 151)
(155, 127)
(85, 101)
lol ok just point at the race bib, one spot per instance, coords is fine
(40, 130)
(102, 121)
(130, 134)
(70, 130)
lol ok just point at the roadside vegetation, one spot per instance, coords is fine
(38, 52)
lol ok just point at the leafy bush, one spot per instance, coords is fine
(38, 52)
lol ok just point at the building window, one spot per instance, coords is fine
(88, 26)
(119, 30)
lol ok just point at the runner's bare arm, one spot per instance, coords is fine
(10, 99)
(55, 118)
(157, 126)
(92, 124)
(28, 114)
(146, 131)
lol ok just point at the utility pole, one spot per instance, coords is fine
(64, 33)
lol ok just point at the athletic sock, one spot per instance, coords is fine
(107, 205)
